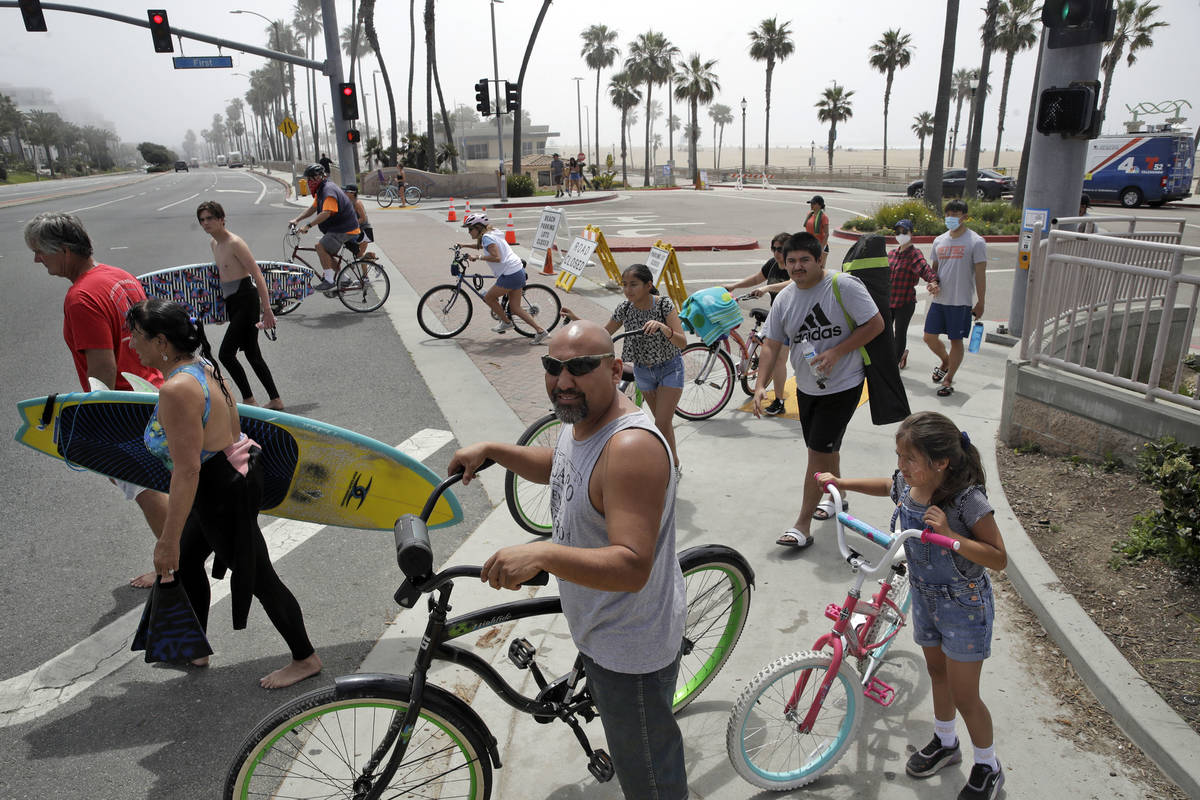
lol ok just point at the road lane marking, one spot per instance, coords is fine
(177, 202)
(99, 205)
(261, 183)
(44, 688)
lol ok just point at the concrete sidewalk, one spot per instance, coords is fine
(741, 477)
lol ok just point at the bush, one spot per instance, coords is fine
(604, 181)
(1173, 469)
(520, 186)
(989, 219)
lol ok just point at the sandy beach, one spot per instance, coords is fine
(797, 157)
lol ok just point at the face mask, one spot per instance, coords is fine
(903, 239)
(952, 223)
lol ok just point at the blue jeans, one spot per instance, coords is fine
(643, 738)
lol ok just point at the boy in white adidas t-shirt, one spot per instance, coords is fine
(810, 309)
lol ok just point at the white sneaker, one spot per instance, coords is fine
(502, 327)
(539, 337)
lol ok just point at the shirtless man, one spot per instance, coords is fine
(245, 292)
(368, 232)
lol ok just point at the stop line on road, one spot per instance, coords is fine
(44, 688)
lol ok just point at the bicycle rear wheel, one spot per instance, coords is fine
(386, 197)
(748, 370)
(412, 195)
(718, 603)
(763, 741)
(363, 286)
(316, 746)
(540, 302)
(444, 311)
(707, 382)
(528, 502)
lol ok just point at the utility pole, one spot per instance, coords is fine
(1056, 162)
(345, 151)
(499, 116)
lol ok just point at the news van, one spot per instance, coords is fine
(221, 160)
(1131, 169)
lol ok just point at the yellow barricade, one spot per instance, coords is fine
(672, 276)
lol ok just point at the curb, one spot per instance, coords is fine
(287, 186)
(1136, 707)
(854, 236)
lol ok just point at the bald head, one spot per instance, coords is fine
(581, 337)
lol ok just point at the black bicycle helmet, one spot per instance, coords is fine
(351, 187)
(314, 171)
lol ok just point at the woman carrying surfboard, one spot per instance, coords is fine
(216, 482)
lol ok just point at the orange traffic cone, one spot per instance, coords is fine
(452, 217)
(467, 210)
(510, 233)
(548, 267)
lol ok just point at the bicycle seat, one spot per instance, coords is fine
(760, 314)
(627, 372)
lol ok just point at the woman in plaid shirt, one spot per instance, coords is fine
(907, 265)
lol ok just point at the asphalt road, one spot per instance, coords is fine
(72, 541)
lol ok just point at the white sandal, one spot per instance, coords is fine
(826, 507)
(794, 538)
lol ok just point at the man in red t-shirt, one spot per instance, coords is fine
(94, 327)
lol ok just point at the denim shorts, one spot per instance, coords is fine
(511, 280)
(956, 616)
(668, 373)
(954, 321)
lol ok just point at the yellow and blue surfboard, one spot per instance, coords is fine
(312, 471)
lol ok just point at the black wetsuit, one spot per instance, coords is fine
(244, 313)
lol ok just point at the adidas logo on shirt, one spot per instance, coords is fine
(816, 326)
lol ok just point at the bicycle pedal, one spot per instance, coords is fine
(880, 692)
(833, 611)
(520, 653)
(600, 764)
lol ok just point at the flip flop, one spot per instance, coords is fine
(938, 374)
(945, 391)
(825, 509)
(794, 538)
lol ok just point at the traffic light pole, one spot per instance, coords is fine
(345, 151)
(499, 116)
(1054, 180)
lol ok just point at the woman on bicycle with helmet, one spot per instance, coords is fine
(509, 271)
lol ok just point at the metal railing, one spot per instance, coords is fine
(1115, 304)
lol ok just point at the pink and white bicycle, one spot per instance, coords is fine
(799, 715)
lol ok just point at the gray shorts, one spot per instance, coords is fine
(332, 242)
(131, 490)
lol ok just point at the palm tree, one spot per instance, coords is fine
(623, 91)
(519, 116)
(979, 99)
(366, 13)
(1015, 31)
(697, 84)
(770, 42)
(941, 111)
(412, 55)
(833, 107)
(1133, 33)
(962, 90)
(922, 126)
(721, 116)
(650, 62)
(599, 53)
(306, 21)
(893, 51)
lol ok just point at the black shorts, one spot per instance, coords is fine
(825, 417)
(368, 232)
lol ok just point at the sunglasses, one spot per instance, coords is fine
(776, 249)
(580, 365)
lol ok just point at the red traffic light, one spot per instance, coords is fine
(352, 135)
(160, 30)
(347, 90)
(348, 101)
(157, 19)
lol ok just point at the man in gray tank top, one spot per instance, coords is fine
(613, 551)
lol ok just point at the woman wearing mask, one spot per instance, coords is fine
(908, 265)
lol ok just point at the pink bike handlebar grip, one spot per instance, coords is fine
(939, 540)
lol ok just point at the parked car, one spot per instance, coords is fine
(181, 165)
(989, 185)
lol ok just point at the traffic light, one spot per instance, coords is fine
(1071, 23)
(512, 96)
(352, 135)
(1071, 111)
(160, 30)
(348, 94)
(483, 98)
(31, 10)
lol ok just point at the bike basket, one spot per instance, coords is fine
(455, 269)
(710, 314)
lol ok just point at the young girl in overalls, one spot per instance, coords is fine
(940, 485)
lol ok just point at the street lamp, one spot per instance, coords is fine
(366, 123)
(578, 114)
(279, 44)
(499, 117)
(743, 140)
(812, 155)
(973, 83)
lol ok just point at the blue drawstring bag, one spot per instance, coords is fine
(710, 314)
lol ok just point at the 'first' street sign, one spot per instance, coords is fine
(203, 62)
